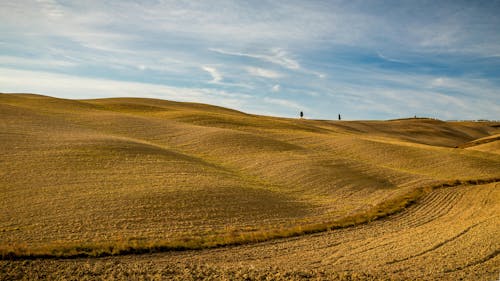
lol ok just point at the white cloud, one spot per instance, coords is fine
(423, 95)
(474, 87)
(25, 62)
(282, 58)
(67, 86)
(278, 56)
(261, 72)
(287, 23)
(284, 103)
(276, 88)
(51, 8)
(382, 56)
(216, 76)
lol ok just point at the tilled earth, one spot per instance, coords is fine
(451, 234)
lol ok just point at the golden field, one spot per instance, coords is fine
(287, 198)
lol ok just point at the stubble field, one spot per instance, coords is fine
(284, 198)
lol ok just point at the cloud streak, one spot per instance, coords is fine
(261, 72)
(216, 76)
(285, 103)
(277, 56)
(66, 86)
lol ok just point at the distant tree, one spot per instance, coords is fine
(301, 114)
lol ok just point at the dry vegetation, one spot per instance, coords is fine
(113, 176)
(487, 144)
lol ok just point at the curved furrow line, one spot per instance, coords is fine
(433, 206)
(429, 199)
(442, 201)
(484, 259)
(437, 246)
(440, 205)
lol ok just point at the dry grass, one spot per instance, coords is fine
(489, 144)
(112, 176)
(449, 235)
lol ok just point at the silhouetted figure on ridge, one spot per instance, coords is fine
(301, 114)
(340, 117)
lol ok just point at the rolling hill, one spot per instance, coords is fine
(128, 175)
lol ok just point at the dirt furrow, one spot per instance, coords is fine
(450, 234)
(439, 206)
(438, 245)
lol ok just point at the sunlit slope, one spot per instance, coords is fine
(487, 144)
(64, 181)
(424, 131)
(144, 169)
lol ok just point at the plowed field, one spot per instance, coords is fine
(137, 188)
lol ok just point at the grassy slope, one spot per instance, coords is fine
(142, 171)
(489, 144)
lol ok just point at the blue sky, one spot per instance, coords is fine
(363, 59)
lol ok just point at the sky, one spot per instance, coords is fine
(361, 59)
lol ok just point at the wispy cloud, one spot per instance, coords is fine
(282, 58)
(25, 62)
(380, 55)
(284, 103)
(276, 56)
(67, 86)
(216, 76)
(51, 8)
(261, 72)
(276, 88)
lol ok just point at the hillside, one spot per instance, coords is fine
(487, 144)
(109, 175)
